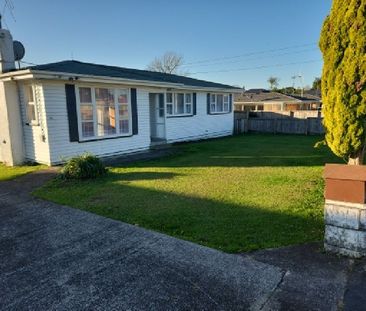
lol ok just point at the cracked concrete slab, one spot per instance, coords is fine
(314, 280)
(56, 257)
(355, 295)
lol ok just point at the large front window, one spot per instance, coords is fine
(104, 112)
(179, 104)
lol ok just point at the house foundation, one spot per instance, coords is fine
(345, 210)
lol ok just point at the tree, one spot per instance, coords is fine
(170, 62)
(343, 42)
(273, 82)
(317, 84)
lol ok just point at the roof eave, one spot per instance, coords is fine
(66, 76)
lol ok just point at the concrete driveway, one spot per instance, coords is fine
(54, 257)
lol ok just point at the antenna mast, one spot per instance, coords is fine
(302, 85)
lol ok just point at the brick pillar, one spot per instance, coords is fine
(345, 209)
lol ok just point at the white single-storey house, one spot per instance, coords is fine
(51, 112)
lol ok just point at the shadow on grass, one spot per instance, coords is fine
(134, 176)
(227, 226)
(249, 150)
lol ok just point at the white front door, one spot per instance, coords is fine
(157, 116)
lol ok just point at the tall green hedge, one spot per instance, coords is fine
(343, 44)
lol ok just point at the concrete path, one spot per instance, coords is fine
(54, 257)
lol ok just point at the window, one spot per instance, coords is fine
(124, 116)
(219, 103)
(30, 105)
(179, 103)
(226, 102)
(213, 103)
(104, 112)
(169, 103)
(188, 103)
(86, 112)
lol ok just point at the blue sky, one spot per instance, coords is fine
(234, 42)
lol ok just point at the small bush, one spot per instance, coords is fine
(85, 166)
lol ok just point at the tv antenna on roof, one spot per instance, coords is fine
(298, 76)
(293, 82)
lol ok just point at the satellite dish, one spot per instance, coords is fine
(19, 50)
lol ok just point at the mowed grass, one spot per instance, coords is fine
(235, 194)
(11, 172)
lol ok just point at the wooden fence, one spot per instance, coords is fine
(298, 114)
(308, 126)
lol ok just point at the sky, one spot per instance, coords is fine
(239, 43)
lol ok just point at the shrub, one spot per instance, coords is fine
(343, 83)
(85, 166)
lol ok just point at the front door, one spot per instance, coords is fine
(157, 116)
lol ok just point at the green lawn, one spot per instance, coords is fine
(7, 172)
(235, 194)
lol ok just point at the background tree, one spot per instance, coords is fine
(343, 44)
(170, 62)
(273, 82)
(317, 84)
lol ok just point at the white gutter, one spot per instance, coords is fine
(65, 76)
(295, 101)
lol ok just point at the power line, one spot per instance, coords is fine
(258, 67)
(10, 5)
(250, 53)
(251, 58)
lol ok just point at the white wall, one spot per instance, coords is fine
(49, 141)
(35, 135)
(11, 135)
(201, 125)
(60, 146)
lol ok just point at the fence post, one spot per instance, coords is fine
(306, 126)
(274, 125)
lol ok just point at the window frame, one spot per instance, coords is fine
(169, 103)
(214, 103)
(29, 120)
(116, 92)
(174, 103)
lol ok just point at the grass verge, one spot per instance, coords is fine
(235, 194)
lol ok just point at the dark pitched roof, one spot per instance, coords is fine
(76, 67)
(316, 93)
(261, 95)
(306, 97)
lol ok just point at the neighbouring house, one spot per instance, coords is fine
(51, 112)
(264, 100)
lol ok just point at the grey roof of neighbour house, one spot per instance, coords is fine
(262, 95)
(89, 69)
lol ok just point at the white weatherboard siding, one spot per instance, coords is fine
(35, 136)
(60, 146)
(201, 125)
(49, 141)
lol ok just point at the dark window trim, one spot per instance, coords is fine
(182, 116)
(72, 112)
(219, 113)
(103, 138)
